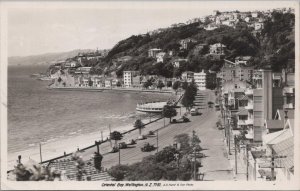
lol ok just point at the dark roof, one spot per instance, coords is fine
(274, 124)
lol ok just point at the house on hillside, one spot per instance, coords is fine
(161, 56)
(258, 26)
(185, 43)
(153, 52)
(83, 70)
(178, 61)
(217, 48)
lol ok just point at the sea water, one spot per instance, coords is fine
(39, 115)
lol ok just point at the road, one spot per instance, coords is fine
(215, 166)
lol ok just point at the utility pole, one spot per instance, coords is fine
(101, 136)
(157, 141)
(273, 157)
(229, 136)
(194, 155)
(119, 155)
(247, 172)
(235, 154)
(41, 153)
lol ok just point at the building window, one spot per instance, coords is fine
(257, 99)
(257, 114)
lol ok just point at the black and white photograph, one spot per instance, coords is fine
(149, 94)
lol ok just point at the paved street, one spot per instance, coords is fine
(215, 165)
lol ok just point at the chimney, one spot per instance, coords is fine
(267, 93)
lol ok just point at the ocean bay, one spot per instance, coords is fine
(38, 115)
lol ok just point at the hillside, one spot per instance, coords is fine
(43, 59)
(274, 45)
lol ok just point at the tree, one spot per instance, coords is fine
(119, 84)
(139, 125)
(119, 171)
(184, 141)
(160, 84)
(148, 83)
(176, 85)
(116, 136)
(189, 96)
(185, 85)
(169, 111)
(97, 160)
(90, 82)
(169, 84)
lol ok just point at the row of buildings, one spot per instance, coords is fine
(261, 103)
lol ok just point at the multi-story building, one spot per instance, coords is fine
(127, 76)
(231, 71)
(200, 80)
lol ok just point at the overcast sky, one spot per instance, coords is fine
(43, 28)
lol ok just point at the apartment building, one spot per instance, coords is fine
(200, 80)
(128, 76)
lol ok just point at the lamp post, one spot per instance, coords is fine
(119, 155)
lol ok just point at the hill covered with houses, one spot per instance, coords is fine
(256, 38)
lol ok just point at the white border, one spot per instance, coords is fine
(240, 185)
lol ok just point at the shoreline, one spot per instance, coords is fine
(55, 150)
(94, 89)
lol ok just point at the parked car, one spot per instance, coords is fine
(141, 137)
(114, 150)
(195, 111)
(150, 133)
(131, 142)
(122, 145)
(147, 147)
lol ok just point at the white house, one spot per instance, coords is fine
(177, 62)
(160, 56)
(258, 26)
(217, 48)
(200, 80)
(152, 52)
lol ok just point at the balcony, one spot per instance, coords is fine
(249, 92)
(249, 106)
(249, 121)
(242, 122)
(289, 90)
(288, 106)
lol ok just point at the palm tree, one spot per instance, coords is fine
(139, 125)
(116, 135)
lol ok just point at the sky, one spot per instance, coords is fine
(37, 28)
